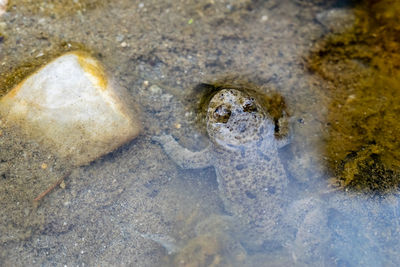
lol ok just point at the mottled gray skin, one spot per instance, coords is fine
(244, 152)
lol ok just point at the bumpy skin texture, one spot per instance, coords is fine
(244, 152)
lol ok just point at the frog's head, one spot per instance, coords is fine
(234, 118)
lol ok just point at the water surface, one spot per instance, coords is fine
(135, 206)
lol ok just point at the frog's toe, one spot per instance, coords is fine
(162, 139)
(156, 138)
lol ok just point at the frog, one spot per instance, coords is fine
(260, 191)
(244, 151)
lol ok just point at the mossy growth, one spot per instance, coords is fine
(363, 67)
(18, 73)
(273, 102)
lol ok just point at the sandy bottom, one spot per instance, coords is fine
(135, 206)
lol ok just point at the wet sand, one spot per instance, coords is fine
(134, 206)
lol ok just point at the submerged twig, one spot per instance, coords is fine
(48, 190)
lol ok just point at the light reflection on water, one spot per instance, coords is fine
(136, 205)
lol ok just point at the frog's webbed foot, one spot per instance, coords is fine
(183, 157)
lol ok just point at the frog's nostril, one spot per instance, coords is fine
(222, 114)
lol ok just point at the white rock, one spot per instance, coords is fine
(3, 6)
(70, 107)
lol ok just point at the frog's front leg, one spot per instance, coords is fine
(183, 157)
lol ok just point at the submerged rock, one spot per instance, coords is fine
(3, 6)
(70, 107)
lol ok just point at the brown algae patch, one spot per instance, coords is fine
(94, 69)
(362, 66)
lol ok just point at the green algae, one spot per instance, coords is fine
(363, 68)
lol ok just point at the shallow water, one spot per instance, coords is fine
(135, 206)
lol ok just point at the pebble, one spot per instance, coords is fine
(155, 89)
(166, 98)
(264, 18)
(120, 38)
(3, 6)
(72, 108)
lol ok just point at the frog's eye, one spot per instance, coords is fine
(222, 114)
(250, 105)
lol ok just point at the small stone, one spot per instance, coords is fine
(62, 185)
(120, 38)
(42, 21)
(155, 89)
(264, 18)
(40, 54)
(177, 125)
(124, 44)
(3, 6)
(72, 108)
(43, 166)
(350, 99)
(166, 98)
